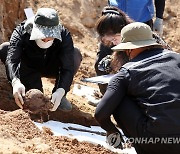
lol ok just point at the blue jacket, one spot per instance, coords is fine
(138, 10)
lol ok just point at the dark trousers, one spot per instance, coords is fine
(132, 121)
(150, 23)
(31, 78)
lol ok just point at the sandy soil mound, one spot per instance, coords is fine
(20, 135)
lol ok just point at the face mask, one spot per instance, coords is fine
(44, 45)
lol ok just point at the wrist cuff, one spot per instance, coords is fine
(159, 19)
(61, 90)
(15, 80)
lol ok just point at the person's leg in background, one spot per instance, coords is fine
(77, 59)
(3, 51)
(150, 23)
(103, 52)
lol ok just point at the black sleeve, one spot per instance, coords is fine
(112, 98)
(67, 61)
(159, 6)
(14, 52)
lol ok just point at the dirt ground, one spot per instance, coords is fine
(18, 133)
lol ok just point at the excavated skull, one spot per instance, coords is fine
(36, 102)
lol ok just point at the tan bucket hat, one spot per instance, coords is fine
(135, 35)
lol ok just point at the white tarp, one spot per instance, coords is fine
(61, 129)
(103, 79)
(86, 91)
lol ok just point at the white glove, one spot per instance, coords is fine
(18, 92)
(56, 98)
(158, 26)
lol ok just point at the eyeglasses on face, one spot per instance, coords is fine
(112, 39)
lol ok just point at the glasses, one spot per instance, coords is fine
(110, 40)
